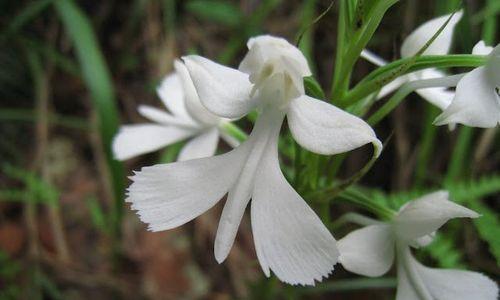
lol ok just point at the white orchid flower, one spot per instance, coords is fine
(186, 119)
(477, 101)
(371, 250)
(289, 237)
(438, 96)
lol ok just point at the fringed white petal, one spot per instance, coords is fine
(368, 251)
(266, 128)
(289, 237)
(325, 129)
(133, 140)
(223, 91)
(169, 195)
(203, 145)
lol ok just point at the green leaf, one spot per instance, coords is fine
(98, 80)
(222, 12)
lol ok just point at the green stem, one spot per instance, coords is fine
(408, 88)
(459, 156)
(234, 131)
(385, 74)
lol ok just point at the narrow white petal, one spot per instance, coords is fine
(325, 129)
(392, 86)
(222, 90)
(171, 94)
(162, 117)
(420, 36)
(191, 99)
(169, 195)
(425, 215)
(410, 284)
(476, 102)
(368, 251)
(373, 58)
(132, 140)
(203, 145)
(457, 285)
(289, 237)
(440, 97)
(267, 127)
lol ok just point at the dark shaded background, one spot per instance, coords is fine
(60, 234)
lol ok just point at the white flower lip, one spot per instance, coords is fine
(371, 251)
(289, 237)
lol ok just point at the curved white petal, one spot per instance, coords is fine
(132, 140)
(392, 86)
(481, 49)
(192, 102)
(267, 127)
(325, 129)
(162, 117)
(457, 284)
(368, 251)
(289, 237)
(169, 195)
(439, 96)
(171, 94)
(410, 283)
(203, 145)
(476, 102)
(373, 58)
(425, 215)
(420, 36)
(222, 90)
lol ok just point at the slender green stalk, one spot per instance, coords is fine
(427, 145)
(98, 80)
(408, 88)
(342, 26)
(490, 25)
(234, 131)
(361, 39)
(459, 159)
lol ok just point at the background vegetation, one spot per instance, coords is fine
(72, 71)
